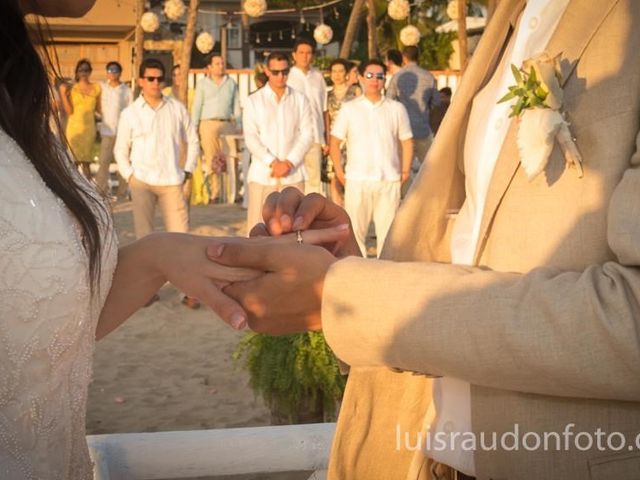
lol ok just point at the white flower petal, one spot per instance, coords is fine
(536, 135)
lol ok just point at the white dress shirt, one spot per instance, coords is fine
(486, 132)
(313, 86)
(112, 101)
(372, 131)
(276, 129)
(149, 140)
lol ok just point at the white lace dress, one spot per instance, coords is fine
(47, 326)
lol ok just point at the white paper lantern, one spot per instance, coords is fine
(149, 22)
(398, 9)
(255, 8)
(410, 35)
(323, 34)
(453, 12)
(205, 42)
(174, 9)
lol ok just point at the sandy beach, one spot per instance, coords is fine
(169, 367)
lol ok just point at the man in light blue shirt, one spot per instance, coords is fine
(216, 112)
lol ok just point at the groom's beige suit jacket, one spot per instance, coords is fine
(546, 327)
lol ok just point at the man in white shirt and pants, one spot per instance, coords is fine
(115, 97)
(372, 126)
(309, 81)
(277, 132)
(147, 150)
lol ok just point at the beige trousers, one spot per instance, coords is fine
(212, 142)
(258, 193)
(102, 177)
(313, 166)
(366, 201)
(144, 198)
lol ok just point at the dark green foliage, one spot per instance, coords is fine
(292, 370)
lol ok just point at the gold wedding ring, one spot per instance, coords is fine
(299, 237)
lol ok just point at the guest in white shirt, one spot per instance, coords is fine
(116, 96)
(147, 151)
(308, 80)
(372, 127)
(276, 122)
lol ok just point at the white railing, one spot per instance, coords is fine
(201, 453)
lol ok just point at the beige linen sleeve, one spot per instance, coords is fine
(549, 332)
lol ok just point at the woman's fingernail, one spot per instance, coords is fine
(344, 226)
(238, 321)
(297, 223)
(215, 250)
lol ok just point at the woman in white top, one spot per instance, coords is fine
(63, 282)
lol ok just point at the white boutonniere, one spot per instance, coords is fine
(539, 114)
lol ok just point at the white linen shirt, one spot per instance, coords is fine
(313, 86)
(276, 130)
(486, 132)
(371, 131)
(149, 140)
(112, 101)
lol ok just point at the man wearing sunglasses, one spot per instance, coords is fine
(372, 127)
(147, 150)
(116, 96)
(277, 131)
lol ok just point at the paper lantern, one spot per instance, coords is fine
(205, 42)
(323, 34)
(398, 9)
(453, 12)
(410, 35)
(174, 9)
(149, 22)
(255, 8)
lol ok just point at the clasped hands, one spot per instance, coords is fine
(269, 281)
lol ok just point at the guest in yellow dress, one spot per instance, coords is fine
(81, 102)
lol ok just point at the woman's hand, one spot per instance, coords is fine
(291, 210)
(145, 265)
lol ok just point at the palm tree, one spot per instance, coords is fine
(352, 27)
(185, 62)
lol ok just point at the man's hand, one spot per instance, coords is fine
(290, 210)
(186, 190)
(280, 168)
(287, 298)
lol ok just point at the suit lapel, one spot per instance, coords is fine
(420, 226)
(578, 24)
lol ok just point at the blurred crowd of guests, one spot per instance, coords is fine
(359, 140)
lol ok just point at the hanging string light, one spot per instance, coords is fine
(257, 38)
(336, 14)
(281, 35)
(269, 37)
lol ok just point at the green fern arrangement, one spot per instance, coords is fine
(292, 371)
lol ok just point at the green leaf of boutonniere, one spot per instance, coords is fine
(528, 89)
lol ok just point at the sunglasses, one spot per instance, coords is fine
(377, 76)
(84, 70)
(283, 72)
(113, 70)
(159, 79)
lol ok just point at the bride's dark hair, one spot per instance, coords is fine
(27, 114)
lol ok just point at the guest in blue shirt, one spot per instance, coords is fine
(216, 113)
